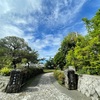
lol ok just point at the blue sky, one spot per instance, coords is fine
(44, 23)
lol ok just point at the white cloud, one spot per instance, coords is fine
(4, 7)
(47, 41)
(20, 21)
(18, 16)
(63, 12)
(36, 5)
(9, 30)
(20, 6)
(47, 54)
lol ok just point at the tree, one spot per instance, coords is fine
(13, 45)
(59, 59)
(82, 52)
(15, 48)
(93, 25)
(74, 56)
(93, 48)
(31, 57)
(50, 63)
(68, 43)
(86, 54)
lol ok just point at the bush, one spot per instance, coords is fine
(61, 78)
(89, 71)
(59, 75)
(82, 71)
(31, 72)
(5, 71)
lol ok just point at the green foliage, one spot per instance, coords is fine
(70, 58)
(61, 78)
(24, 60)
(93, 25)
(5, 71)
(5, 61)
(48, 70)
(59, 60)
(68, 43)
(31, 72)
(73, 58)
(31, 56)
(82, 52)
(59, 75)
(13, 50)
(50, 63)
(89, 70)
(86, 54)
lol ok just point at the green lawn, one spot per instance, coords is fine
(48, 70)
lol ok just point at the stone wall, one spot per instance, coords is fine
(66, 78)
(90, 86)
(19, 77)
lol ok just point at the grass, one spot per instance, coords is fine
(48, 70)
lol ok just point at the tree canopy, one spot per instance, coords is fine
(68, 43)
(93, 25)
(14, 49)
(86, 54)
(50, 63)
(82, 52)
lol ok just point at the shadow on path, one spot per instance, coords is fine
(31, 83)
(74, 94)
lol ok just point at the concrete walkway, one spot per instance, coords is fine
(43, 87)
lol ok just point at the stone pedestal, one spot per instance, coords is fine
(14, 82)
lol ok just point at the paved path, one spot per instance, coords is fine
(3, 82)
(76, 95)
(44, 90)
(43, 87)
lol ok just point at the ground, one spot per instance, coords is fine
(41, 88)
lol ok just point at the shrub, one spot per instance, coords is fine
(89, 71)
(61, 78)
(59, 75)
(82, 71)
(31, 72)
(5, 71)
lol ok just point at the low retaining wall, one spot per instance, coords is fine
(19, 78)
(90, 86)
